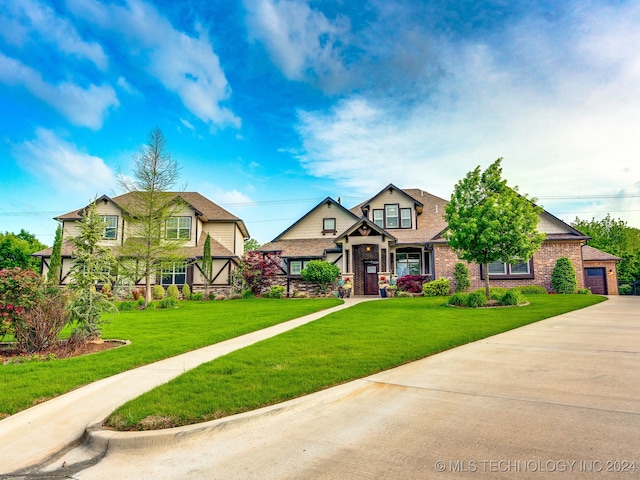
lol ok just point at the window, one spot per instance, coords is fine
(110, 227)
(328, 225)
(295, 267)
(378, 218)
(518, 269)
(405, 218)
(179, 228)
(391, 216)
(176, 274)
(407, 263)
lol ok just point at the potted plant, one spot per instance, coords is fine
(391, 291)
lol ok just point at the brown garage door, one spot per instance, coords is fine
(596, 280)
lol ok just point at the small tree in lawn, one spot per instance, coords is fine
(320, 272)
(55, 263)
(563, 278)
(149, 213)
(92, 264)
(257, 270)
(207, 265)
(489, 221)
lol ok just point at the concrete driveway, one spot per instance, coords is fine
(556, 399)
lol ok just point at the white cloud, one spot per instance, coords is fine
(27, 19)
(185, 65)
(301, 41)
(62, 166)
(187, 124)
(86, 107)
(560, 101)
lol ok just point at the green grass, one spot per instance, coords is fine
(154, 335)
(343, 346)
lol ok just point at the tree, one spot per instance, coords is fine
(617, 238)
(149, 207)
(55, 263)
(489, 221)
(320, 272)
(251, 244)
(16, 250)
(257, 270)
(207, 265)
(92, 264)
(563, 277)
(461, 276)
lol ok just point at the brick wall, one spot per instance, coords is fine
(544, 261)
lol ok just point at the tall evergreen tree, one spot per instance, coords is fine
(207, 264)
(55, 262)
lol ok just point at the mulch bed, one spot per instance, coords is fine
(9, 354)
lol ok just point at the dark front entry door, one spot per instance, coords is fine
(596, 280)
(370, 278)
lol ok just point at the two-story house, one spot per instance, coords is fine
(197, 217)
(401, 232)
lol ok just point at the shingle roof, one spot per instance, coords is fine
(210, 211)
(305, 247)
(590, 253)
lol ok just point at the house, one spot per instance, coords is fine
(197, 217)
(600, 271)
(400, 232)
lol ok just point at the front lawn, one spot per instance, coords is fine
(154, 335)
(343, 346)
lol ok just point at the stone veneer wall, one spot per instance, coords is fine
(544, 261)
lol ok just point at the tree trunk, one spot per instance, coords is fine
(486, 280)
(147, 293)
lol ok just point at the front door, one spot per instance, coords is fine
(596, 281)
(370, 278)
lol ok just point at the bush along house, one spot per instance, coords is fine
(400, 232)
(196, 217)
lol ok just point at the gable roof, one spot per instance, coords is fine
(328, 200)
(366, 225)
(204, 208)
(361, 208)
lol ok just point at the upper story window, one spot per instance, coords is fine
(110, 227)
(405, 218)
(391, 216)
(178, 228)
(329, 225)
(378, 218)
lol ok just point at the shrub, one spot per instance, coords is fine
(496, 293)
(461, 277)
(128, 306)
(19, 290)
(531, 290)
(320, 272)
(584, 291)
(276, 291)
(409, 283)
(563, 278)
(173, 292)
(41, 324)
(476, 299)
(625, 289)
(402, 294)
(168, 302)
(138, 293)
(197, 296)
(247, 294)
(186, 291)
(436, 288)
(458, 299)
(106, 290)
(512, 297)
(157, 292)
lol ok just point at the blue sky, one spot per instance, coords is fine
(270, 106)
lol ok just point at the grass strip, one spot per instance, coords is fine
(154, 335)
(343, 346)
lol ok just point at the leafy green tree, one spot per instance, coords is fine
(150, 206)
(251, 245)
(55, 263)
(16, 250)
(207, 264)
(92, 264)
(320, 272)
(256, 271)
(489, 221)
(563, 278)
(617, 238)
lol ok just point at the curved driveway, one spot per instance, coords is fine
(556, 399)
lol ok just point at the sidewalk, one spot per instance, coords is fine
(33, 435)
